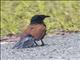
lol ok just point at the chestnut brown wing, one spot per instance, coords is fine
(36, 30)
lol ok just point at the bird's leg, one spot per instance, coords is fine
(35, 43)
(42, 42)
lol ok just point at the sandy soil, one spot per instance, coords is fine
(57, 47)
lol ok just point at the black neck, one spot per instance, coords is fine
(38, 23)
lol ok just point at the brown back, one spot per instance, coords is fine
(36, 30)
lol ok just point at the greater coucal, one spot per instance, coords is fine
(35, 31)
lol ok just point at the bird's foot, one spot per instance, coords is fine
(42, 44)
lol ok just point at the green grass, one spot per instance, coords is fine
(17, 14)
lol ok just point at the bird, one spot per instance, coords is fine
(35, 31)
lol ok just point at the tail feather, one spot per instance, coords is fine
(26, 42)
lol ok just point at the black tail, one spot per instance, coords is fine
(25, 42)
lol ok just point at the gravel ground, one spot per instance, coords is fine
(57, 47)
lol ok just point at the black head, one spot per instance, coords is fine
(38, 19)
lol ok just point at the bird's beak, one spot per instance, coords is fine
(47, 16)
